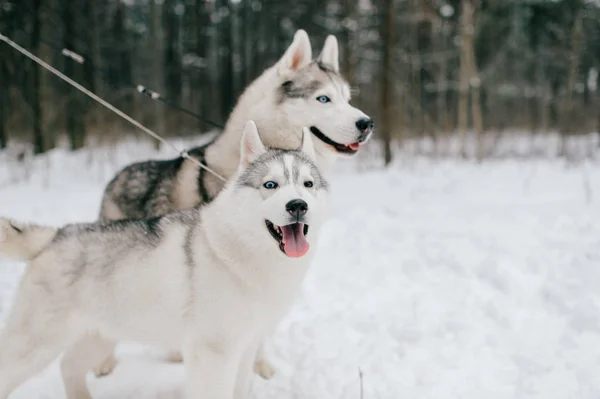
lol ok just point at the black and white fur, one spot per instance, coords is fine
(210, 281)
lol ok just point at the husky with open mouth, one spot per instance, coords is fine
(294, 93)
(210, 281)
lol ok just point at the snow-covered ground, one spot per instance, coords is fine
(438, 279)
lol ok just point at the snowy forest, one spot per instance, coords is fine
(430, 70)
(459, 256)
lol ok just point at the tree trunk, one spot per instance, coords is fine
(466, 48)
(227, 52)
(475, 86)
(155, 47)
(349, 25)
(567, 119)
(4, 84)
(598, 114)
(172, 57)
(248, 48)
(386, 91)
(36, 105)
(122, 69)
(74, 110)
(443, 119)
(92, 63)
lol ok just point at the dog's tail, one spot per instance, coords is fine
(20, 241)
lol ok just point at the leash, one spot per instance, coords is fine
(182, 153)
(152, 95)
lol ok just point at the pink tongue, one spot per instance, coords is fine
(354, 146)
(294, 242)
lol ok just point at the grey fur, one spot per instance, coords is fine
(253, 177)
(145, 189)
(298, 89)
(307, 83)
(120, 236)
(187, 248)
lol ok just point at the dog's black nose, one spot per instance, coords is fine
(365, 125)
(296, 208)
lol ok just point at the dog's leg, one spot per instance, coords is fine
(79, 360)
(211, 370)
(108, 363)
(36, 332)
(261, 365)
(244, 373)
(24, 351)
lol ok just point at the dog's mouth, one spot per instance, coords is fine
(291, 238)
(342, 148)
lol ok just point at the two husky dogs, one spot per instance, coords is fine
(210, 281)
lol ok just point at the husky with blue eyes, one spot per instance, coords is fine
(210, 281)
(297, 92)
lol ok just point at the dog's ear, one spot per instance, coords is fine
(252, 147)
(330, 54)
(298, 55)
(307, 145)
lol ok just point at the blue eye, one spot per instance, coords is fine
(323, 99)
(270, 185)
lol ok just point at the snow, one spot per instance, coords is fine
(437, 279)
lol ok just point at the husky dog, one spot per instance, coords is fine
(211, 280)
(295, 92)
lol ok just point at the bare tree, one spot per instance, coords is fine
(35, 92)
(4, 84)
(598, 113)
(155, 46)
(247, 39)
(120, 56)
(386, 90)
(469, 81)
(349, 25)
(475, 85)
(574, 62)
(92, 64)
(172, 54)
(75, 125)
(227, 53)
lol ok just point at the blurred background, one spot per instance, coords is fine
(464, 78)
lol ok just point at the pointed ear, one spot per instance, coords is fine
(307, 146)
(330, 54)
(298, 55)
(252, 147)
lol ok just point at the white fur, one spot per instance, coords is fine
(297, 56)
(329, 56)
(23, 246)
(240, 285)
(280, 124)
(251, 147)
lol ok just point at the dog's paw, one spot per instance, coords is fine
(264, 369)
(106, 367)
(175, 357)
